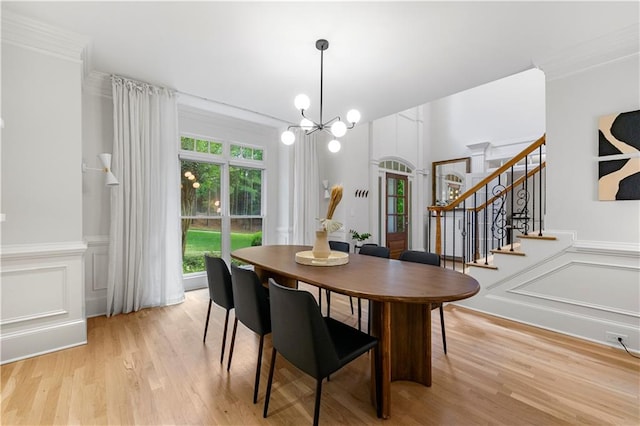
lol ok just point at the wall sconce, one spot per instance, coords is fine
(325, 185)
(109, 179)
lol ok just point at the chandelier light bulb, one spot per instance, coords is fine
(306, 124)
(287, 137)
(302, 102)
(196, 185)
(334, 146)
(353, 116)
(338, 129)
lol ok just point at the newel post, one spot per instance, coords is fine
(438, 242)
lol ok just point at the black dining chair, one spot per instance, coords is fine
(427, 258)
(220, 293)
(377, 251)
(317, 345)
(344, 247)
(365, 244)
(252, 309)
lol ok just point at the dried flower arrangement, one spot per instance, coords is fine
(328, 224)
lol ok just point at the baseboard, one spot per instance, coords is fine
(28, 343)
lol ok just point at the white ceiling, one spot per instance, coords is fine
(383, 57)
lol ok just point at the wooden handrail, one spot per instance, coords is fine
(467, 194)
(508, 189)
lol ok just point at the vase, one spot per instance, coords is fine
(321, 247)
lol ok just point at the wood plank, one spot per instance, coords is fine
(151, 367)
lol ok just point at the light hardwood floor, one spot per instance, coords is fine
(151, 368)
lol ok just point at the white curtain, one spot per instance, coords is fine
(305, 189)
(145, 252)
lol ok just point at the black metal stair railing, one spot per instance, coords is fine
(488, 217)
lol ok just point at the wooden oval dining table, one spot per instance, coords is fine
(400, 296)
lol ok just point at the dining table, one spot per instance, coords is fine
(400, 295)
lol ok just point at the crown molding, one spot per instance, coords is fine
(610, 47)
(25, 32)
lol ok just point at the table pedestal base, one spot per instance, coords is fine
(406, 356)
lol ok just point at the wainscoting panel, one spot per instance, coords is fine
(577, 288)
(42, 299)
(96, 264)
(33, 293)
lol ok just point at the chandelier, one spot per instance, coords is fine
(335, 127)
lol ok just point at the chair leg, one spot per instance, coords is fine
(328, 294)
(444, 336)
(224, 335)
(351, 302)
(206, 324)
(359, 314)
(320, 298)
(256, 385)
(269, 382)
(233, 341)
(316, 411)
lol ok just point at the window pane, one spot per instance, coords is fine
(236, 151)
(202, 236)
(247, 153)
(186, 143)
(400, 205)
(200, 188)
(215, 148)
(391, 205)
(257, 154)
(246, 232)
(202, 146)
(391, 224)
(245, 191)
(401, 224)
(200, 196)
(391, 186)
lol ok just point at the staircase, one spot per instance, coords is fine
(491, 219)
(496, 233)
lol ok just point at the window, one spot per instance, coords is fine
(209, 217)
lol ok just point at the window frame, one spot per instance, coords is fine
(225, 161)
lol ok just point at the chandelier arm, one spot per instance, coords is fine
(314, 123)
(337, 117)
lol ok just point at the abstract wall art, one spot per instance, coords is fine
(619, 156)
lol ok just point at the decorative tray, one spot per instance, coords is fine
(335, 258)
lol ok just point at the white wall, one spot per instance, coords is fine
(346, 167)
(574, 105)
(42, 248)
(97, 137)
(504, 111)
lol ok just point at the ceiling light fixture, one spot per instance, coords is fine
(335, 127)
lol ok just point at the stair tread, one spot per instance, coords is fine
(509, 251)
(533, 235)
(480, 263)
